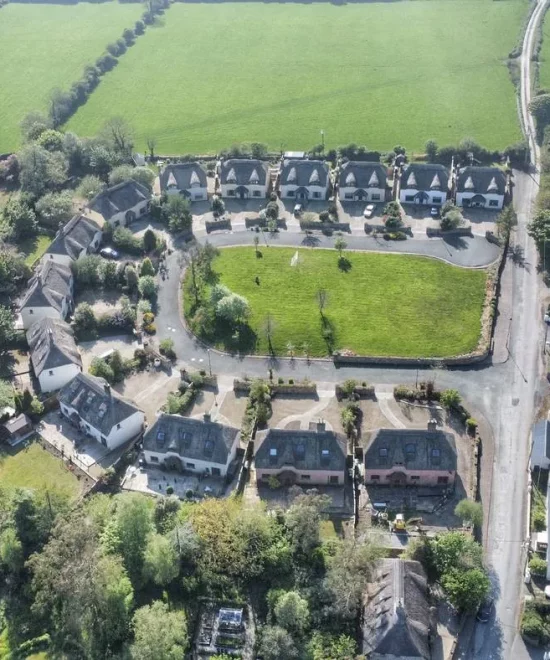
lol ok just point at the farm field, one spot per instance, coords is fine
(46, 46)
(379, 73)
(396, 305)
(544, 56)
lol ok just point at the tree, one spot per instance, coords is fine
(431, 151)
(108, 274)
(86, 271)
(147, 286)
(340, 245)
(149, 241)
(450, 399)
(323, 646)
(11, 551)
(7, 331)
(146, 268)
(258, 150)
(13, 271)
(90, 186)
(233, 308)
(466, 589)
(539, 228)
(451, 217)
(33, 125)
(161, 564)
(292, 612)
(129, 36)
(133, 526)
(470, 512)
(55, 209)
(348, 418)
(40, 169)
(20, 218)
(506, 221)
(51, 140)
(6, 394)
(142, 175)
(537, 565)
(322, 300)
(159, 633)
(540, 109)
(119, 135)
(454, 549)
(256, 243)
(101, 369)
(303, 519)
(151, 142)
(272, 211)
(277, 644)
(218, 206)
(176, 211)
(131, 278)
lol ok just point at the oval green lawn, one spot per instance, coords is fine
(397, 305)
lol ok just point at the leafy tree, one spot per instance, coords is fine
(539, 228)
(176, 211)
(6, 394)
(466, 589)
(272, 211)
(101, 369)
(277, 644)
(218, 205)
(7, 331)
(540, 109)
(506, 221)
(218, 292)
(108, 274)
(451, 219)
(159, 633)
(431, 151)
(147, 286)
(452, 550)
(20, 218)
(303, 519)
(233, 308)
(146, 268)
(55, 209)
(161, 565)
(33, 125)
(450, 399)
(119, 135)
(140, 174)
(323, 646)
(537, 565)
(84, 317)
(11, 551)
(292, 612)
(470, 512)
(340, 245)
(90, 186)
(51, 140)
(40, 169)
(133, 525)
(149, 240)
(131, 278)
(13, 271)
(128, 36)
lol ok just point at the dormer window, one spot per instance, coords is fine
(411, 181)
(254, 178)
(469, 185)
(383, 452)
(171, 183)
(314, 178)
(436, 183)
(231, 176)
(374, 181)
(291, 178)
(273, 451)
(194, 181)
(493, 187)
(350, 180)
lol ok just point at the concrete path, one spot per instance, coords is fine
(383, 394)
(308, 416)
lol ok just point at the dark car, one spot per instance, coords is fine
(109, 253)
(485, 610)
(434, 212)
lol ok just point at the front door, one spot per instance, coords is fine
(216, 472)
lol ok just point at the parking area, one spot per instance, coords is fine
(91, 349)
(157, 482)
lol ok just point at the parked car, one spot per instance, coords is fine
(298, 209)
(434, 212)
(369, 211)
(485, 610)
(109, 253)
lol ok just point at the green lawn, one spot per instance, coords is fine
(34, 248)
(46, 46)
(379, 73)
(34, 467)
(383, 305)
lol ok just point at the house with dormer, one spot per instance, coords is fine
(184, 444)
(122, 204)
(304, 456)
(362, 182)
(186, 179)
(96, 410)
(55, 357)
(480, 187)
(411, 457)
(243, 178)
(303, 179)
(50, 293)
(424, 184)
(80, 237)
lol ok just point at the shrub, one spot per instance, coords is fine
(324, 216)
(281, 381)
(471, 425)
(144, 306)
(166, 347)
(539, 520)
(393, 222)
(403, 392)
(291, 381)
(140, 357)
(170, 490)
(189, 494)
(147, 287)
(450, 399)
(273, 482)
(538, 566)
(150, 329)
(148, 318)
(147, 267)
(139, 27)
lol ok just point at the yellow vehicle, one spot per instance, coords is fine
(399, 523)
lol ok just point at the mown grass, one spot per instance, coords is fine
(34, 467)
(46, 46)
(395, 305)
(34, 248)
(379, 73)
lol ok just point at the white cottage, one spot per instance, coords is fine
(185, 444)
(120, 205)
(78, 238)
(243, 178)
(423, 183)
(304, 179)
(91, 405)
(187, 179)
(362, 181)
(55, 358)
(480, 187)
(50, 293)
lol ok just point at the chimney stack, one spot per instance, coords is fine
(207, 417)
(321, 426)
(432, 425)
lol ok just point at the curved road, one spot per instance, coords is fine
(504, 391)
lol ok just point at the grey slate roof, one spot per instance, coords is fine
(52, 345)
(302, 173)
(243, 169)
(481, 180)
(96, 403)
(362, 174)
(191, 438)
(397, 614)
(119, 198)
(541, 436)
(420, 176)
(181, 173)
(49, 286)
(74, 237)
(303, 449)
(416, 449)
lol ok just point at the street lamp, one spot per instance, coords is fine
(209, 362)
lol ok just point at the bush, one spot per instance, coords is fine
(538, 566)
(539, 520)
(324, 216)
(147, 287)
(150, 329)
(106, 63)
(166, 347)
(140, 358)
(125, 240)
(281, 381)
(148, 318)
(403, 392)
(146, 268)
(471, 425)
(170, 490)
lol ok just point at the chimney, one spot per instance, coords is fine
(432, 425)
(107, 389)
(207, 417)
(321, 426)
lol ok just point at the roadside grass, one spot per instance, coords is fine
(34, 467)
(379, 73)
(34, 248)
(381, 304)
(544, 55)
(46, 46)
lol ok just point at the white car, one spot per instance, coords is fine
(369, 211)
(298, 209)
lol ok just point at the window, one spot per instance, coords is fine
(316, 195)
(493, 202)
(442, 480)
(273, 451)
(436, 200)
(375, 477)
(31, 311)
(143, 210)
(333, 480)
(348, 196)
(256, 193)
(409, 198)
(410, 449)
(154, 459)
(383, 451)
(50, 373)
(415, 477)
(191, 466)
(305, 477)
(290, 193)
(231, 193)
(436, 453)
(118, 426)
(375, 198)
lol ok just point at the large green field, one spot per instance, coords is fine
(46, 46)
(378, 73)
(396, 305)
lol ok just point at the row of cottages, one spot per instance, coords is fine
(474, 187)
